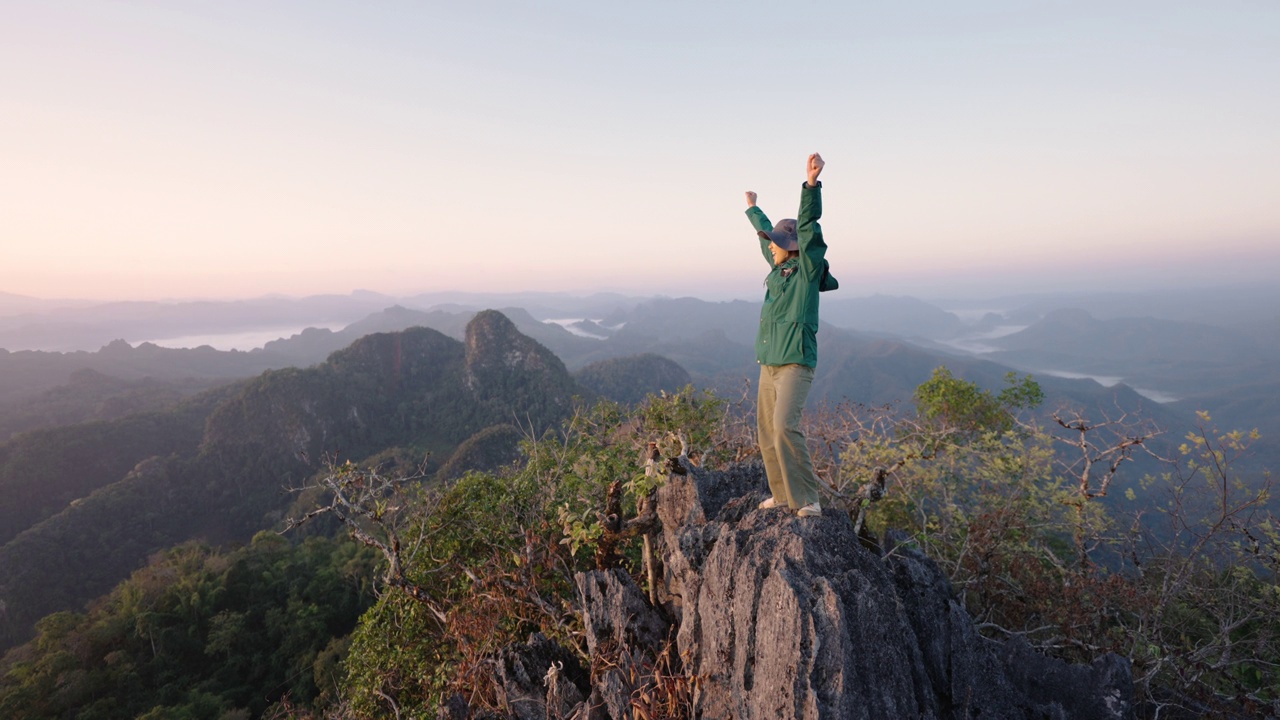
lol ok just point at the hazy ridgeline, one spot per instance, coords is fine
(111, 455)
(1208, 349)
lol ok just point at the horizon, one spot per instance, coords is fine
(972, 289)
(240, 150)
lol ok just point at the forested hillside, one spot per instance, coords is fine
(224, 478)
(630, 379)
(489, 581)
(43, 472)
(89, 395)
(27, 373)
(198, 633)
(92, 501)
(420, 391)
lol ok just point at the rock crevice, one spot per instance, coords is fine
(774, 616)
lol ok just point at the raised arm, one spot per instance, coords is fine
(760, 222)
(813, 249)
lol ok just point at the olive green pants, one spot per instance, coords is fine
(783, 391)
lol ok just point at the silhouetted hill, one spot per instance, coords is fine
(304, 348)
(40, 388)
(11, 304)
(314, 344)
(903, 316)
(80, 327)
(631, 379)
(682, 318)
(1171, 357)
(567, 346)
(539, 304)
(871, 371)
(704, 338)
(874, 371)
(29, 373)
(1222, 306)
(1076, 337)
(89, 395)
(715, 341)
(695, 333)
(43, 472)
(416, 389)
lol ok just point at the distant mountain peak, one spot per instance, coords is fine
(503, 365)
(389, 352)
(1069, 316)
(399, 311)
(494, 343)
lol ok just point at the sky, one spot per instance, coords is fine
(169, 149)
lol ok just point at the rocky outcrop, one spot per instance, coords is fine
(788, 617)
(417, 386)
(496, 349)
(540, 679)
(774, 616)
(505, 369)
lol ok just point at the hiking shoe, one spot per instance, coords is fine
(770, 504)
(811, 510)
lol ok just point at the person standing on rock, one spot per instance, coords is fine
(787, 345)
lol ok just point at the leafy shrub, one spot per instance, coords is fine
(490, 559)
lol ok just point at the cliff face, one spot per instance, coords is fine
(507, 369)
(781, 617)
(508, 373)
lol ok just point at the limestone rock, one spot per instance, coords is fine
(540, 679)
(785, 617)
(777, 616)
(623, 631)
(495, 349)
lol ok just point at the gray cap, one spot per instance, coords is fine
(783, 235)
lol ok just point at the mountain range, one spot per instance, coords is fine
(87, 504)
(114, 454)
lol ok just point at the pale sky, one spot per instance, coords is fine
(231, 149)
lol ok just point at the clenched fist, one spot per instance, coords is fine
(814, 168)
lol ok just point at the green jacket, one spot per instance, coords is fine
(789, 318)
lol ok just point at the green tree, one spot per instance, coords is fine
(1022, 517)
(480, 563)
(195, 634)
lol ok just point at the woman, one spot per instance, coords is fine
(786, 344)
